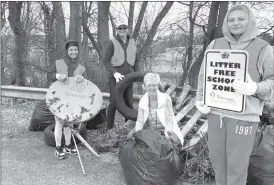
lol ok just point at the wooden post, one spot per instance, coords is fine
(84, 142)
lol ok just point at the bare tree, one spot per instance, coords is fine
(210, 35)
(3, 22)
(19, 31)
(59, 29)
(189, 52)
(222, 12)
(113, 25)
(75, 21)
(131, 16)
(139, 20)
(49, 17)
(153, 30)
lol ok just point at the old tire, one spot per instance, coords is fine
(100, 118)
(50, 139)
(119, 90)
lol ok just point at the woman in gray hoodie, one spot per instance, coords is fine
(231, 135)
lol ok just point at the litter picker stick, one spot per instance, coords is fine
(78, 155)
(84, 142)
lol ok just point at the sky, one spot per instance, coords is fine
(120, 11)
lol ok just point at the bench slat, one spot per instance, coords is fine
(170, 89)
(185, 110)
(199, 134)
(182, 97)
(191, 123)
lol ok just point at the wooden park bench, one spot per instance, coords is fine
(192, 123)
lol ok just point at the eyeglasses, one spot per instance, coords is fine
(122, 28)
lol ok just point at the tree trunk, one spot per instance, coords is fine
(3, 21)
(139, 20)
(130, 16)
(186, 65)
(19, 56)
(2, 64)
(49, 42)
(89, 34)
(190, 46)
(60, 30)
(3, 14)
(113, 25)
(222, 12)
(195, 67)
(75, 21)
(103, 27)
(153, 30)
(103, 36)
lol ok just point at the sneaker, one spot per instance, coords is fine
(70, 149)
(59, 153)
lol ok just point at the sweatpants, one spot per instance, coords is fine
(230, 144)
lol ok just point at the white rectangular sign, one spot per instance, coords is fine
(222, 67)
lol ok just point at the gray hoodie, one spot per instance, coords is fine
(265, 88)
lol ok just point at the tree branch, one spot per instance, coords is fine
(112, 24)
(266, 31)
(130, 16)
(182, 3)
(139, 20)
(154, 27)
(90, 36)
(124, 9)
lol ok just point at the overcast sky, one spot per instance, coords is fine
(120, 12)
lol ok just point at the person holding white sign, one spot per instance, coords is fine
(231, 135)
(67, 67)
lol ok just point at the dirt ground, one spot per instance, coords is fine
(27, 160)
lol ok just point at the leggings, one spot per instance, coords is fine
(58, 132)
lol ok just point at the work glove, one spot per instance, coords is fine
(118, 76)
(202, 107)
(245, 88)
(79, 78)
(61, 77)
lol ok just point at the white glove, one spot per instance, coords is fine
(245, 88)
(118, 76)
(79, 78)
(202, 107)
(61, 77)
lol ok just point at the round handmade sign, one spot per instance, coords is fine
(74, 101)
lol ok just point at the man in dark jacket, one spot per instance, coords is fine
(120, 59)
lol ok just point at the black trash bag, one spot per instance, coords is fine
(41, 117)
(149, 159)
(49, 137)
(261, 165)
(98, 119)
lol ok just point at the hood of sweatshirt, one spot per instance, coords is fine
(70, 63)
(249, 34)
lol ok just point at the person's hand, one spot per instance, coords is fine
(61, 77)
(245, 88)
(129, 135)
(166, 133)
(118, 76)
(202, 107)
(79, 78)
